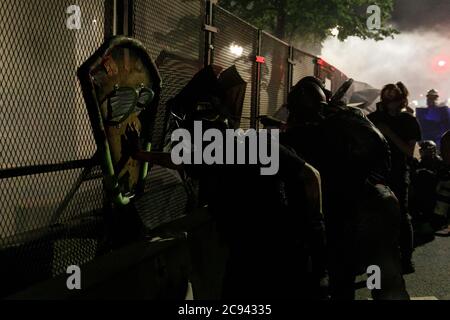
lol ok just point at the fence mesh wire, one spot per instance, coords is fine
(304, 66)
(236, 44)
(44, 122)
(274, 72)
(172, 33)
(51, 218)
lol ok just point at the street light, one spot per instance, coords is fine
(236, 50)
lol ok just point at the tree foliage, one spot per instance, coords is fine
(314, 19)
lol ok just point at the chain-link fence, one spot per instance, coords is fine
(172, 33)
(303, 65)
(274, 75)
(236, 44)
(51, 186)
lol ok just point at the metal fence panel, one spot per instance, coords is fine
(44, 122)
(48, 219)
(236, 44)
(172, 33)
(165, 198)
(304, 66)
(274, 73)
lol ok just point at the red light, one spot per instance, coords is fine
(260, 59)
(440, 64)
(321, 62)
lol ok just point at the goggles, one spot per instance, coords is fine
(123, 101)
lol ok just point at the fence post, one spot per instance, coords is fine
(129, 16)
(209, 31)
(254, 123)
(110, 19)
(316, 68)
(122, 17)
(290, 73)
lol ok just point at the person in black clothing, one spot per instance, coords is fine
(429, 158)
(361, 213)
(270, 224)
(402, 131)
(434, 118)
(441, 214)
(269, 227)
(424, 180)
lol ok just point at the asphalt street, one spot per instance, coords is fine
(431, 280)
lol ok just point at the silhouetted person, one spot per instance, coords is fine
(361, 214)
(442, 209)
(270, 224)
(422, 197)
(429, 158)
(424, 180)
(402, 131)
(434, 119)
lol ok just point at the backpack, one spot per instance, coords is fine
(362, 150)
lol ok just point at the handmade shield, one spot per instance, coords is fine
(121, 86)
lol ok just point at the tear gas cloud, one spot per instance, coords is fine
(419, 56)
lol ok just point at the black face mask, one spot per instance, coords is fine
(123, 101)
(308, 113)
(209, 109)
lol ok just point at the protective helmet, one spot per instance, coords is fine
(199, 100)
(433, 93)
(428, 148)
(427, 145)
(307, 97)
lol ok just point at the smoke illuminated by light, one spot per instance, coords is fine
(440, 64)
(419, 59)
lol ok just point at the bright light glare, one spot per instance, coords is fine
(335, 32)
(415, 102)
(442, 63)
(236, 50)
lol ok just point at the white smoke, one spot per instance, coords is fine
(410, 58)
